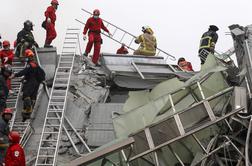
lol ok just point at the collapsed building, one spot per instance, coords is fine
(139, 110)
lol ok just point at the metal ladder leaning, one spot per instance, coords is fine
(16, 85)
(50, 136)
(126, 35)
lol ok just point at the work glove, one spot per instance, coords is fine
(48, 20)
(84, 37)
(5, 59)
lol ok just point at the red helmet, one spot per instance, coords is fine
(7, 111)
(96, 12)
(14, 137)
(55, 2)
(29, 53)
(6, 43)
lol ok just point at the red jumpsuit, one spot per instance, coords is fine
(15, 155)
(187, 66)
(10, 55)
(94, 25)
(122, 50)
(6, 53)
(50, 27)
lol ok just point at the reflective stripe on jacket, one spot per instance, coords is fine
(208, 39)
(147, 42)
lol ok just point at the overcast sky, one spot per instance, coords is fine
(178, 24)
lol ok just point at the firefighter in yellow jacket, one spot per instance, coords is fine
(147, 41)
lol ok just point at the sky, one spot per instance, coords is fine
(178, 24)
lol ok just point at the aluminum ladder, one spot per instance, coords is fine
(50, 136)
(126, 38)
(16, 85)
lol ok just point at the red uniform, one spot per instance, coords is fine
(122, 50)
(94, 25)
(6, 53)
(187, 66)
(15, 156)
(50, 27)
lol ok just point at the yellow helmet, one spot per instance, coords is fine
(149, 30)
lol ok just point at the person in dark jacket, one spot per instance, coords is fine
(15, 155)
(6, 71)
(25, 39)
(4, 91)
(4, 132)
(30, 85)
(208, 42)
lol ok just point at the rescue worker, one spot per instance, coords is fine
(208, 41)
(31, 83)
(4, 132)
(4, 91)
(6, 54)
(25, 39)
(122, 50)
(93, 26)
(50, 15)
(0, 41)
(15, 155)
(6, 71)
(147, 41)
(187, 66)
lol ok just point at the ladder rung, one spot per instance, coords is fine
(50, 140)
(52, 118)
(67, 68)
(69, 43)
(56, 104)
(50, 132)
(68, 47)
(45, 156)
(52, 125)
(72, 33)
(60, 85)
(71, 38)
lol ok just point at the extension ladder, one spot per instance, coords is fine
(16, 85)
(50, 137)
(127, 38)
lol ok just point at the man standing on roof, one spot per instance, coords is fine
(50, 15)
(15, 155)
(32, 78)
(4, 132)
(122, 50)
(25, 39)
(93, 26)
(208, 41)
(148, 42)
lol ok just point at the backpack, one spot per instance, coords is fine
(40, 74)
